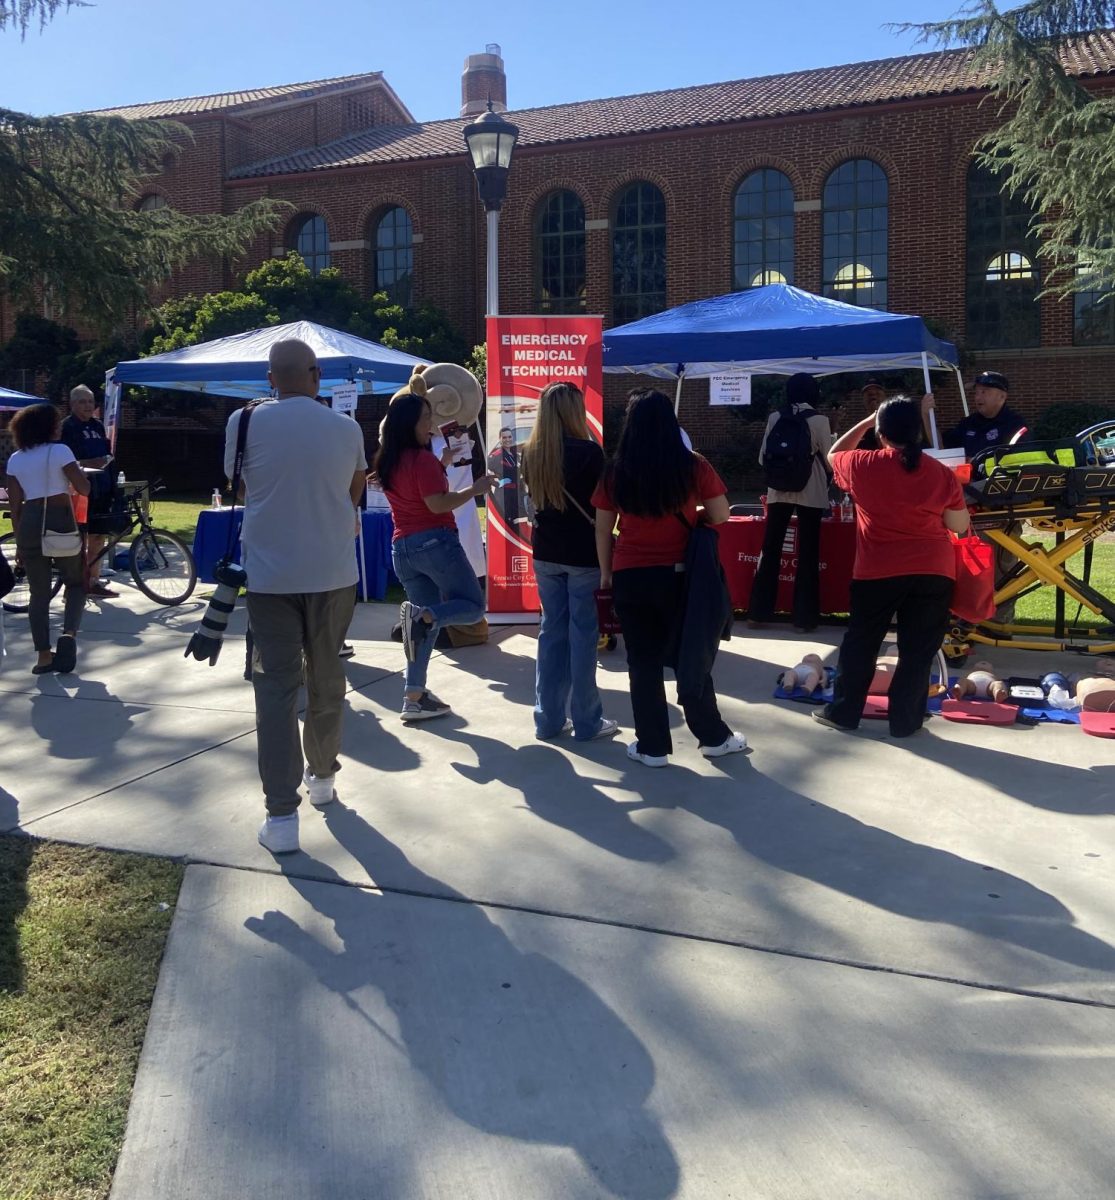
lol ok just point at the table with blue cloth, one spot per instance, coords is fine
(211, 542)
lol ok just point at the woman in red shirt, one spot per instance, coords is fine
(906, 503)
(651, 484)
(426, 552)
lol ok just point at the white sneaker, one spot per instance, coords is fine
(733, 745)
(608, 728)
(322, 791)
(280, 834)
(648, 760)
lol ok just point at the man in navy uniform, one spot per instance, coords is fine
(992, 421)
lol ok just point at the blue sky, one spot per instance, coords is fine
(126, 51)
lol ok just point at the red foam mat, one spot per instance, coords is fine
(1098, 724)
(978, 712)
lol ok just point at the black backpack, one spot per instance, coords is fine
(788, 459)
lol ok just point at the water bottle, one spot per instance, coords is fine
(847, 509)
(120, 480)
(215, 502)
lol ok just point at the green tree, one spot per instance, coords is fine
(68, 224)
(282, 290)
(1056, 146)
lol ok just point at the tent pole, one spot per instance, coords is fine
(960, 384)
(677, 391)
(932, 412)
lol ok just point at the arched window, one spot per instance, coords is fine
(1003, 279)
(310, 238)
(559, 254)
(855, 234)
(151, 203)
(638, 253)
(764, 230)
(393, 256)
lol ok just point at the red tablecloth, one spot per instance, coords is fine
(741, 540)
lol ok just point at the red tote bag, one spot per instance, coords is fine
(974, 596)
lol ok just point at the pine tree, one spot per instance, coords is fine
(1056, 146)
(68, 223)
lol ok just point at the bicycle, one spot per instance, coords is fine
(161, 564)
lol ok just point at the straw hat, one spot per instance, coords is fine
(454, 393)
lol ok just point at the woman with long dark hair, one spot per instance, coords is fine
(560, 466)
(441, 587)
(655, 486)
(40, 475)
(906, 504)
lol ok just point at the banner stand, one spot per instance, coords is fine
(525, 355)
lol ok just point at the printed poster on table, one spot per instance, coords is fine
(524, 355)
(344, 398)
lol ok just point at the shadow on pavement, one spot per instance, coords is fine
(804, 837)
(540, 1057)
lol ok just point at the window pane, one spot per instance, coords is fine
(1003, 278)
(311, 240)
(559, 254)
(639, 253)
(393, 256)
(854, 234)
(764, 230)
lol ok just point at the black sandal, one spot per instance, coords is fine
(44, 668)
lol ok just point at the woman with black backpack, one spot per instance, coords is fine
(795, 444)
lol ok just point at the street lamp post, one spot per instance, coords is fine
(490, 140)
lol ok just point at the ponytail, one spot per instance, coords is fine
(899, 422)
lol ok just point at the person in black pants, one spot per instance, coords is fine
(811, 503)
(906, 503)
(651, 484)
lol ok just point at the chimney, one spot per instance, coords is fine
(483, 79)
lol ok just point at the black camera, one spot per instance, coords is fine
(206, 642)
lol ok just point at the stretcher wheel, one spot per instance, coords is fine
(608, 641)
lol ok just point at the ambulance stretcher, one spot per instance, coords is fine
(1065, 489)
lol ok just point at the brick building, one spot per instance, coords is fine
(855, 181)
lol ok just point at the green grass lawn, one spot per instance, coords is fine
(1038, 607)
(177, 512)
(81, 937)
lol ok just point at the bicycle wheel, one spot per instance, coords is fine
(163, 567)
(18, 600)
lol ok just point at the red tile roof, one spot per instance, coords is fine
(223, 101)
(920, 75)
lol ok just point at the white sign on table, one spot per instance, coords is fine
(729, 389)
(344, 398)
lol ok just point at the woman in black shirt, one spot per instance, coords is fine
(560, 467)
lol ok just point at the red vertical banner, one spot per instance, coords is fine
(524, 355)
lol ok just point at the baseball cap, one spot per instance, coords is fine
(873, 381)
(995, 379)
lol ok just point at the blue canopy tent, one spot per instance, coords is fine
(237, 366)
(774, 330)
(12, 401)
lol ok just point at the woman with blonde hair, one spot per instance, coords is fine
(560, 467)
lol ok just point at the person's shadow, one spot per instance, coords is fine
(791, 833)
(516, 1045)
(558, 793)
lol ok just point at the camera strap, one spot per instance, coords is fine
(237, 468)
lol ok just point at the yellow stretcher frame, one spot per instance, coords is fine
(1041, 565)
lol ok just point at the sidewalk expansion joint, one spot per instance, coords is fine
(662, 931)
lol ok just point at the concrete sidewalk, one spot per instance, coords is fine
(838, 966)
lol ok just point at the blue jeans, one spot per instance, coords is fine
(436, 575)
(565, 676)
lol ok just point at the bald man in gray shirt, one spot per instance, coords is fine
(303, 474)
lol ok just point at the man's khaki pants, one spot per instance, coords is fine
(289, 631)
